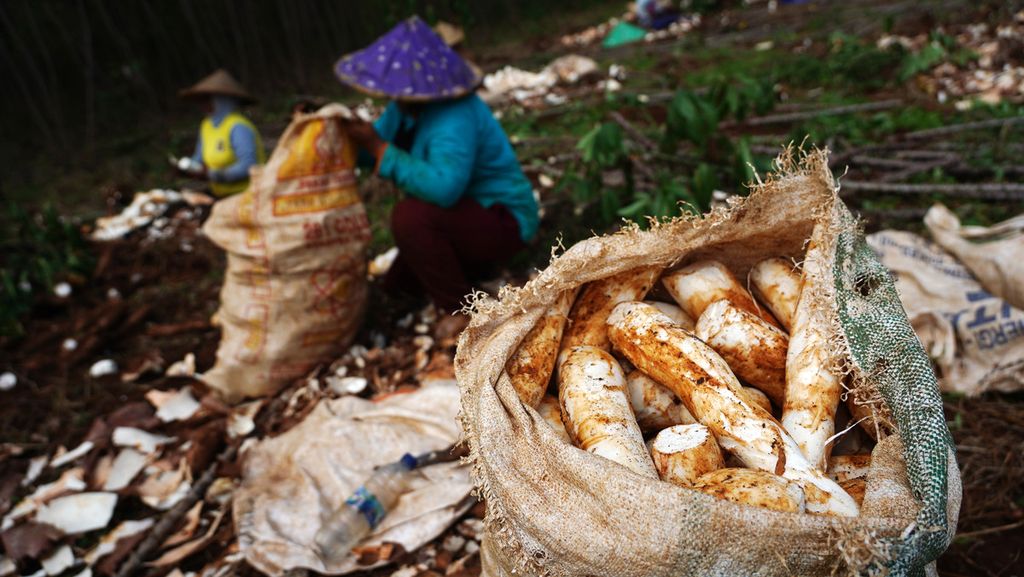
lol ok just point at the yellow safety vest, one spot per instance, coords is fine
(218, 153)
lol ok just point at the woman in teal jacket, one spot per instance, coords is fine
(467, 203)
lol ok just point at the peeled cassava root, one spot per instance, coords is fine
(776, 282)
(682, 453)
(675, 313)
(595, 303)
(710, 391)
(755, 350)
(596, 411)
(531, 365)
(551, 412)
(813, 381)
(702, 283)
(655, 407)
(752, 487)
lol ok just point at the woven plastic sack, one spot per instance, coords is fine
(553, 509)
(974, 338)
(992, 253)
(295, 287)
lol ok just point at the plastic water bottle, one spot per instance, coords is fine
(360, 514)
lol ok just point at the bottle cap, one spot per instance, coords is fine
(408, 461)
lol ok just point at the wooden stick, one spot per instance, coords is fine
(979, 191)
(633, 131)
(918, 168)
(169, 521)
(955, 128)
(990, 530)
(848, 109)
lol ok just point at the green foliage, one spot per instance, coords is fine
(603, 146)
(742, 95)
(941, 48)
(862, 129)
(43, 249)
(691, 118)
(854, 62)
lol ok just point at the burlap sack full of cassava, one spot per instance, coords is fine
(557, 510)
(295, 287)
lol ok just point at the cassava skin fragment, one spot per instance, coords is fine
(776, 283)
(708, 388)
(531, 365)
(551, 411)
(675, 313)
(813, 383)
(755, 350)
(698, 285)
(655, 407)
(590, 311)
(596, 412)
(752, 487)
(846, 467)
(683, 453)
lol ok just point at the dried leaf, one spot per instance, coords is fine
(188, 530)
(109, 543)
(174, 556)
(165, 489)
(59, 561)
(29, 540)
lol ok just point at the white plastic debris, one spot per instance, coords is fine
(62, 290)
(103, 368)
(73, 455)
(59, 561)
(173, 405)
(113, 294)
(346, 385)
(183, 368)
(381, 264)
(79, 513)
(545, 180)
(7, 381)
(125, 467)
(109, 541)
(69, 344)
(138, 439)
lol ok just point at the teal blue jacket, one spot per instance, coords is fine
(459, 149)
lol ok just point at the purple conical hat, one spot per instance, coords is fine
(410, 62)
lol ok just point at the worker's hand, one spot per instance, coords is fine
(365, 136)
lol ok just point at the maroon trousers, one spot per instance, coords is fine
(438, 248)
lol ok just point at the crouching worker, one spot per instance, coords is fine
(467, 204)
(229, 144)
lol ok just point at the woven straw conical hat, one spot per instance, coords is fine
(219, 83)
